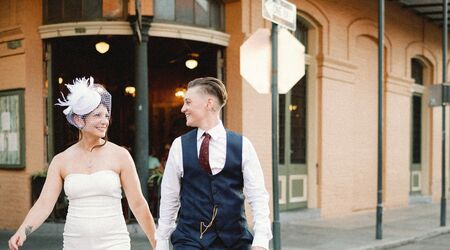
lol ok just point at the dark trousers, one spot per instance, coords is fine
(188, 244)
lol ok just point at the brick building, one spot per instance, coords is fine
(328, 142)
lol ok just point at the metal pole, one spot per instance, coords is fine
(274, 87)
(141, 140)
(379, 228)
(444, 79)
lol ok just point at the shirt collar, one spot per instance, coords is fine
(215, 132)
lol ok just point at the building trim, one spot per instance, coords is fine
(11, 41)
(124, 28)
(189, 33)
(85, 29)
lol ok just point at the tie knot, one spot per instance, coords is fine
(206, 135)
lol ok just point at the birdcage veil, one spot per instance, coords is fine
(84, 96)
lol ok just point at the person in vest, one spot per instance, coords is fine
(208, 173)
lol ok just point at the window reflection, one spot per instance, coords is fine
(59, 11)
(202, 13)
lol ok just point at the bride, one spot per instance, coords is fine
(92, 173)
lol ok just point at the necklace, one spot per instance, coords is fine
(89, 157)
(89, 163)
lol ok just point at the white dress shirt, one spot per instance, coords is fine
(254, 189)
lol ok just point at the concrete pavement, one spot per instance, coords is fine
(400, 227)
(305, 230)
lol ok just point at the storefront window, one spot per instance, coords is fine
(202, 13)
(59, 11)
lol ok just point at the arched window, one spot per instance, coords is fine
(417, 71)
(202, 13)
(419, 109)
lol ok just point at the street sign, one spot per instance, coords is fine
(255, 61)
(439, 94)
(280, 12)
(291, 61)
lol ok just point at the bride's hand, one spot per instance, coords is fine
(17, 240)
(153, 243)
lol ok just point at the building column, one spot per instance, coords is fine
(141, 143)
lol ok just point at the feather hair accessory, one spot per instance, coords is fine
(83, 97)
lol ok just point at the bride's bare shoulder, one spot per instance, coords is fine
(66, 154)
(116, 149)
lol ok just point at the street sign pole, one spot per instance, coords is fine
(379, 212)
(444, 79)
(274, 90)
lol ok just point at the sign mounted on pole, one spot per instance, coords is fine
(256, 61)
(280, 12)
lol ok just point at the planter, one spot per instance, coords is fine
(37, 183)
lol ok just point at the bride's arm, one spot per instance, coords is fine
(136, 201)
(43, 206)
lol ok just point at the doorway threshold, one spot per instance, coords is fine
(415, 199)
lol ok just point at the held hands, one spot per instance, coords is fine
(153, 243)
(17, 240)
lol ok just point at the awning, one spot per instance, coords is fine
(430, 9)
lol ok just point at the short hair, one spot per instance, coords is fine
(212, 86)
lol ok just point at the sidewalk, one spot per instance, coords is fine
(400, 227)
(304, 230)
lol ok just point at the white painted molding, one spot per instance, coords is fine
(417, 174)
(85, 29)
(303, 179)
(124, 28)
(189, 33)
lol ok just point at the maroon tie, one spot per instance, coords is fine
(204, 153)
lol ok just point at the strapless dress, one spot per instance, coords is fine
(94, 218)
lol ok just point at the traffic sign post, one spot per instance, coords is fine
(276, 206)
(256, 54)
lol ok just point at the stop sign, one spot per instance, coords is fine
(256, 61)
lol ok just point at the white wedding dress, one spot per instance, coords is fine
(94, 218)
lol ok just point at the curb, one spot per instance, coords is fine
(406, 241)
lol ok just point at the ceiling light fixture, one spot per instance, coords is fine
(192, 62)
(180, 92)
(102, 47)
(130, 90)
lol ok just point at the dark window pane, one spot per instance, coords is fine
(92, 9)
(165, 10)
(184, 11)
(417, 71)
(202, 12)
(301, 33)
(72, 10)
(417, 129)
(216, 17)
(54, 10)
(282, 123)
(298, 110)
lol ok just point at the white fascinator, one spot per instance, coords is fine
(84, 96)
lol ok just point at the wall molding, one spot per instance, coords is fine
(123, 28)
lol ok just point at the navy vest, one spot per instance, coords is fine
(201, 192)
